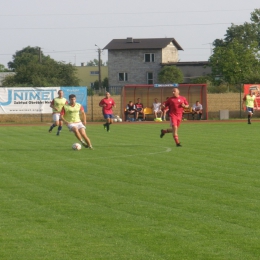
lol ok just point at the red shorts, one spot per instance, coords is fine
(175, 120)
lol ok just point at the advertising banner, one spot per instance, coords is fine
(30, 100)
(256, 91)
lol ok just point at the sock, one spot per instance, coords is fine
(59, 128)
(176, 139)
(108, 124)
(52, 126)
(83, 142)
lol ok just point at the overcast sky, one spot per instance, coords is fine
(68, 30)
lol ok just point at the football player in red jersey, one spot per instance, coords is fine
(107, 105)
(176, 104)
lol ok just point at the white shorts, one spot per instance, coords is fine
(78, 125)
(56, 117)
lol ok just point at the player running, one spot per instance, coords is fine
(56, 105)
(107, 104)
(70, 114)
(176, 104)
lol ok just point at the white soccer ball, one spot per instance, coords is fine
(115, 119)
(76, 146)
(119, 119)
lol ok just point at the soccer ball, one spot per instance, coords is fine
(119, 120)
(115, 119)
(76, 146)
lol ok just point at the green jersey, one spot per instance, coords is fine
(71, 113)
(250, 101)
(58, 103)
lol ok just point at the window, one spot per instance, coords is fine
(149, 57)
(149, 78)
(94, 72)
(122, 76)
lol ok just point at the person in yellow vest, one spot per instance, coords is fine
(249, 102)
(70, 115)
(56, 105)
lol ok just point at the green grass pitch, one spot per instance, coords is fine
(135, 196)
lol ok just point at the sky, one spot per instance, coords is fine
(73, 31)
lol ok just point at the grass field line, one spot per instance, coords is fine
(167, 150)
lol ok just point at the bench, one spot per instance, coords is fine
(188, 112)
(147, 111)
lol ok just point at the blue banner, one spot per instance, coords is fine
(35, 100)
(166, 85)
(80, 92)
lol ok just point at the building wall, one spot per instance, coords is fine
(193, 71)
(216, 102)
(85, 76)
(169, 54)
(132, 62)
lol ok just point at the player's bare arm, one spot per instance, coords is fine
(63, 119)
(84, 118)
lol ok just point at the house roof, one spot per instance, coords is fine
(134, 44)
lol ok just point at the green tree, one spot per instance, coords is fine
(201, 80)
(96, 85)
(247, 33)
(234, 64)
(95, 63)
(3, 69)
(29, 71)
(235, 58)
(170, 74)
(105, 83)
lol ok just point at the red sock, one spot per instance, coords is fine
(176, 139)
(165, 131)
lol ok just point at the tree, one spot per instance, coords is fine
(235, 64)
(236, 58)
(201, 80)
(29, 71)
(95, 63)
(170, 74)
(3, 69)
(247, 33)
(104, 84)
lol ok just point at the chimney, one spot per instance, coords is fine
(129, 39)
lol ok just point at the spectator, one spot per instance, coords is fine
(139, 109)
(197, 109)
(130, 110)
(157, 109)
